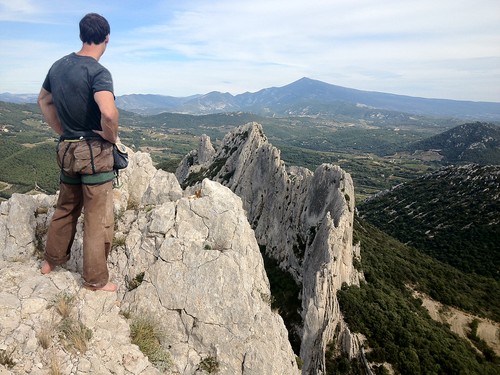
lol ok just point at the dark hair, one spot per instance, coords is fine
(93, 29)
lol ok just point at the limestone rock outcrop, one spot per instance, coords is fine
(305, 221)
(187, 259)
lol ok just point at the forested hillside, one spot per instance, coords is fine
(28, 168)
(476, 142)
(451, 214)
(27, 151)
(398, 328)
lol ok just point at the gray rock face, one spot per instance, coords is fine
(188, 260)
(305, 221)
(27, 313)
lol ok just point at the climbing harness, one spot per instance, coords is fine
(86, 179)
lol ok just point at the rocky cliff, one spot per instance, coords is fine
(186, 260)
(303, 219)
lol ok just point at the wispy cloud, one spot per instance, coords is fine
(420, 48)
(17, 10)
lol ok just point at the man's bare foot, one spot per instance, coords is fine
(46, 267)
(109, 287)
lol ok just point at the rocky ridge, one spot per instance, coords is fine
(476, 142)
(303, 219)
(186, 258)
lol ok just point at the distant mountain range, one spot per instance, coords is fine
(18, 98)
(308, 97)
(305, 97)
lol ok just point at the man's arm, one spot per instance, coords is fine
(109, 115)
(49, 111)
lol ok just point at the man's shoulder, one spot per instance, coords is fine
(91, 65)
(66, 62)
(62, 60)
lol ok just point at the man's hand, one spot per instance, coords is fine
(109, 115)
(49, 111)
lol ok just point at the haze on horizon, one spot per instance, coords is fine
(433, 49)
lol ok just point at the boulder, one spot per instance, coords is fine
(186, 260)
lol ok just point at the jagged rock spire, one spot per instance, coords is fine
(305, 221)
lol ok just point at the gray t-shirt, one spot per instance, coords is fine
(73, 81)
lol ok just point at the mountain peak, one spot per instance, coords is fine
(308, 97)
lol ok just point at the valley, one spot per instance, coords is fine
(362, 149)
(379, 154)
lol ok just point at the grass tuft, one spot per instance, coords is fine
(64, 304)
(119, 241)
(55, 365)
(44, 338)
(75, 335)
(133, 204)
(210, 365)
(6, 358)
(147, 335)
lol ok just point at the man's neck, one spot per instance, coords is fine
(92, 50)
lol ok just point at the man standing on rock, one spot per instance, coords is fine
(78, 103)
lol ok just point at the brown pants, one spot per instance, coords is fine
(97, 203)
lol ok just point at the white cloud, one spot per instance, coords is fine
(16, 10)
(26, 74)
(410, 47)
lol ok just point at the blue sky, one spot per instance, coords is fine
(428, 48)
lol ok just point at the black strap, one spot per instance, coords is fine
(81, 135)
(64, 157)
(91, 156)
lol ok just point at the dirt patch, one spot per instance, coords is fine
(429, 155)
(4, 185)
(459, 321)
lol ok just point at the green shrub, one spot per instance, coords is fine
(135, 282)
(210, 365)
(145, 332)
